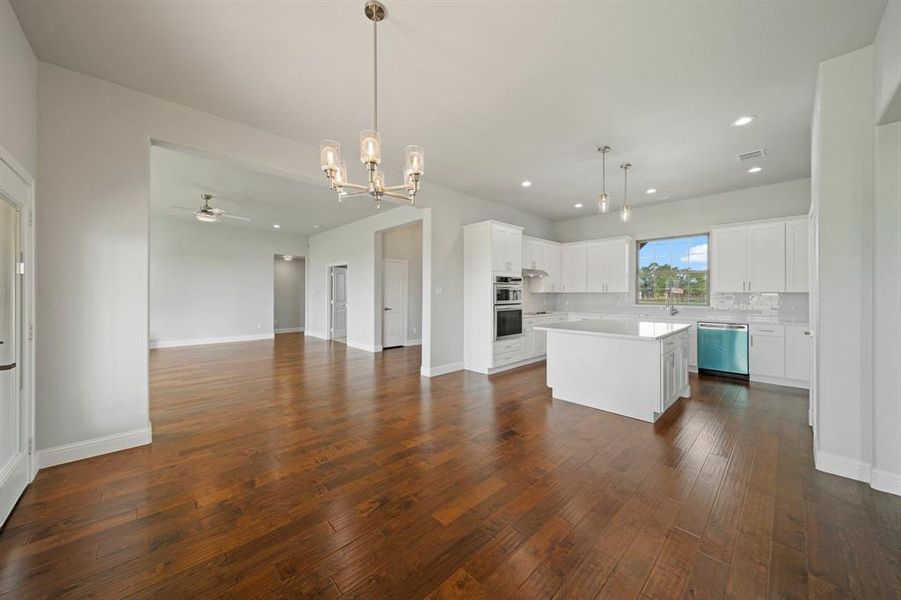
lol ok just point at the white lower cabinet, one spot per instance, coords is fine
(767, 351)
(673, 369)
(797, 352)
(693, 346)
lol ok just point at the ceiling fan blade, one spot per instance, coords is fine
(235, 217)
(178, 214)
(182, 208)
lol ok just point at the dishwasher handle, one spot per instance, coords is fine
(726, 326)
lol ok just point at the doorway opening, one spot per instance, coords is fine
(337, 327)
(289, 273)
(401, 277)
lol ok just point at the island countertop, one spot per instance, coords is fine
(637, 329)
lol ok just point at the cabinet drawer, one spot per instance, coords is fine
(674, 341)
(504, 347)
(768, 330)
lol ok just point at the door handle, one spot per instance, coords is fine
(386, 308)
(7, 367)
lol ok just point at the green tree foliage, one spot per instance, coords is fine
(689, 287)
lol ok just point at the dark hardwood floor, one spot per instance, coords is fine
(302, 468)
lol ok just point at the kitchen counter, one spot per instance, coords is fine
(684, 317)
(621, 328)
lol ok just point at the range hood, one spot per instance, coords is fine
(530, 273)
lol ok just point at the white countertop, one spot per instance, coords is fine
(641, 330)
(694, 318)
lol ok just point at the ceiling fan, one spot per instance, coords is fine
(207, 213)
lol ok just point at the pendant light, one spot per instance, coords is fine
(604, 199)
(626, 214)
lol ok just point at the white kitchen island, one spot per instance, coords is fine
(633, 368)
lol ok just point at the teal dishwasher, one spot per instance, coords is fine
(723, 349)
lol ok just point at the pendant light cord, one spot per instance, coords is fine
(604, 172)
(375, 74)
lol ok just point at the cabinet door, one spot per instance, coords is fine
(528, 341)
(617, 263)
(540, 343)
(498, 248)
(513, 242)
(554, 254)
(767, 355)
(766, 271)
(796, 254)
(574, 266)
(531, 249)
(596, 267)
(797, 353)
(730, 260)
(693, 346)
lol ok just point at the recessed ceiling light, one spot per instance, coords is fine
(743, 120)
(755, 169)
(288, 257)
(276, 226)
(651, 191)
(526, 183)
(315, 226)
(578, 205)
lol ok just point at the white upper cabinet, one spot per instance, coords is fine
(607, 266)
(796, 255)
(748, 258)
(506, 249)
(729, 259)
(574, 267)
(533, 254)
(552, 263)
(766, 257)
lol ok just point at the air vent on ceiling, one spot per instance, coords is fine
(752, 154)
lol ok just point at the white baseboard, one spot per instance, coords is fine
(416, 342)
(841, 466)
(289, 330)
(214, 340)
(441, 369)
(884, 481)
(362, 346)
(316, 334)
(795, 383)
(67, 453)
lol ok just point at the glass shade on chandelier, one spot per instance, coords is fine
(626, 214)
(335, 169)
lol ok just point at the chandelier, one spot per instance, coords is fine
(371, 144)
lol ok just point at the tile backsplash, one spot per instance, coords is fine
(784, 307)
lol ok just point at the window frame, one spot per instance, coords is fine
(637, 257)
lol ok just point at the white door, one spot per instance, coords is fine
(394, 303)
(14, 463)
(797, 352)
(767, 355)
(766, 271)
(730, 260)
(339, 302)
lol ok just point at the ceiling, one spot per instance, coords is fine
(497, 92)
(178, 178)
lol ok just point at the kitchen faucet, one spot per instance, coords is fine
(670, 305)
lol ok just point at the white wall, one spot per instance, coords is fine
(887, 50)
(92, 242)
(887, 310)
(405, 243)
(210, 281)
(694, 215)
(18, 91)
(842, 190)
(290, 276)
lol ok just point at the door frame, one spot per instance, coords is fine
(406, 266)
(330, 269)
(27, 348)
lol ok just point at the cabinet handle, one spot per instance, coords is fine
(749, 285)
(806, 333)
(752, 340)
(743, 285)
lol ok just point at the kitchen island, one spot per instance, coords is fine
(634, 368)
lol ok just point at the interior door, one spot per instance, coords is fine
(13, 449)
(394, 303)
(339, 302)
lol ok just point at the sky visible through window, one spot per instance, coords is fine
(676, 264)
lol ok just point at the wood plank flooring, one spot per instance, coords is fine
(301, 468)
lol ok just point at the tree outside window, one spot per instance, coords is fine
(677, 267)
